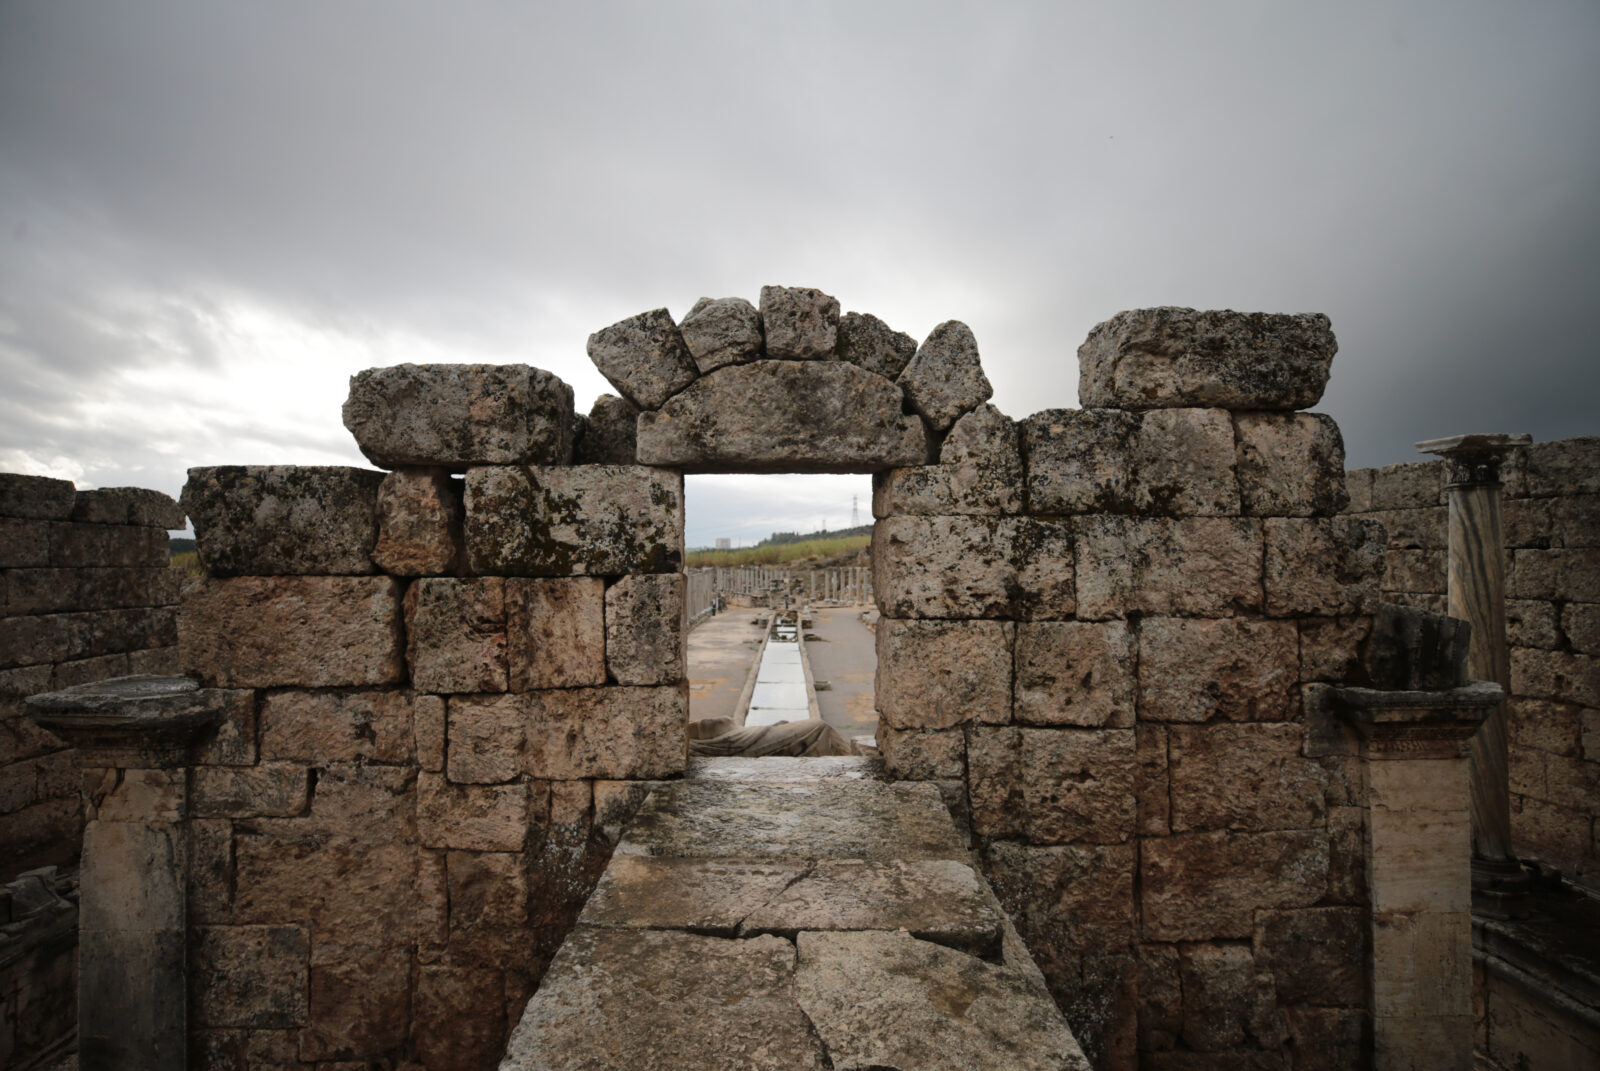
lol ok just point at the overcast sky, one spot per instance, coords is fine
(211, 214)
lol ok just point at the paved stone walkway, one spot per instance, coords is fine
(789, 914)
(842, 654)
(721, 650)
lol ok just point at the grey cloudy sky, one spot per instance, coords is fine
(212, 213)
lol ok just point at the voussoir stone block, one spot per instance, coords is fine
(292, 631)
(419, 523)
(867, 341)
(587, 520)
(801, 323)
(1053, 786)
(1074, 673)
(1164, 461)
(456, 415)
(1290, 464)
(609, 435)
(945, 378)
(1176, 357)
(1236, 669)
(646, 626)
(555, 632)
(783, 416)
(644, 357)
(284, 520)
(939, 674)
(1204, 566)
(721, 331)
(979, 473)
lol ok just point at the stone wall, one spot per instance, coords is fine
(85, 593)
(1108, 625)
(1551, 508)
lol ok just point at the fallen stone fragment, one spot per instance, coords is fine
(284, 520)
(420, 523)
(945, 379)
(801, 324)
(889, 1000)
(868, 342)
(1175, 357)
(609, 433)
(783, 416)
(1414, 649)
(644, 357)
(1290, 465)
(721, 331)
(456, 415)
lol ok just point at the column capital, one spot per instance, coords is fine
(1416, 724)
(140, 722)
(1473, 460)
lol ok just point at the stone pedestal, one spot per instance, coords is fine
(1477, 595)
(133, 736)
(1413, 747)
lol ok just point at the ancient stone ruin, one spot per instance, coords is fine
(1128, 657)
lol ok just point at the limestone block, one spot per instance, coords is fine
(51, 591)
(35, 497)
(127, 505)
(481, 818)
(945, 567)
(346, 725)
(1424, 528)
(1556, 574)
(88, 546)
(644, 357)
(1175, 357)
(984, 436)
(1226, 1003)
(1052, 786)
(779, 416)
(458, 1024)
(1204, 886)
(1169, 461)
(1333, 649)
(1193, 670)
(801, 324)
(1414, 570)
(1044, 555)
(646, 626)
(939, 674)
(1566, 467)
(556, 632)
(1425, 967)
(1202, 566)
(1581, 624)
(709, 896)
(24, 544)
(419, 523)
(456, 634)
(612, 733)
(1409, 485)
(1540, 725)
(284, 520)
(1327, 567)
(234, 741)
(1290, 465)
(1315, 955)
(1358, 486)
(1077, 897)
(488, 910)
(916, 755)
(616, 802)
(868, 342)
(967, 489)
(485, 738)
(589, 520)
(1151, 781)
(1575, 521)
(271, 790)
(357, 1002)
(945, 378)
(1074, 673)
(1564, 676)
(1269, 785)
(610, 434)
(255, 976)
(1327, 1039)
(721, 331)
(292, 631)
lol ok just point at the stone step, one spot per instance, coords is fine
(788, 914)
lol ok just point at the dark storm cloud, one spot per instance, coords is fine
(194, 190)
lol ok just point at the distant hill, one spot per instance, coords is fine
(797, 549)
(176, 547)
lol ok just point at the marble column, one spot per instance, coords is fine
(1477, 595)
(133, 736)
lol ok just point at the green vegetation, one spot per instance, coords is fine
(769, 552)
(189, 562)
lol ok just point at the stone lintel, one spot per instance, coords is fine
(138, 722)
(1473, 460)
(1417, 724)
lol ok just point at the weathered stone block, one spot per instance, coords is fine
(646, 625)
(556, 633)
(419, 523)
(867, 341)
(485, 741)
(1324, 567)
(1316, 955)
(255, 976)
(456, 635)
(1074, 673)
(721, 331)
(779, 416)
(1414, 570)
(1566, 467)
(271, 790)
(1540, 725)
(1205, 566)
(1409, 485)
(939, 674)
(611, 733)
(1290, 464)
(594, 520)
(51, 591)
(1052, 786)
(967, 489)
(234, 742)
(801, 324)
(35, 497)
(24, 544)
(284, 520)
(480, 818)
(1333, 649)
(915, 755)
(945, 567)
(1173, 461)
(1203, 886)
(945, 378)
(1556, 574)
(127, 505)
(1560, 675)
(87, 546)
(1226, 1003)
(458, 1024)
(315, 727)
(1581, 624)
(294, 631)
(644, 357)
(1328, 1039)
(1151, 781)
(357, 1002)
(1174, 357)
(1073, 896)
(1194, 670)
(1358, 486)
(1413, 649)
(1574, 522)
(1268, 783)
(488, 910)
(609, 435)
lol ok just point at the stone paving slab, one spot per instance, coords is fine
(779, 770)
(708, 896)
